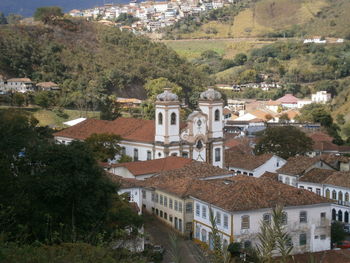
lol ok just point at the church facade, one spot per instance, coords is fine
(199, 138)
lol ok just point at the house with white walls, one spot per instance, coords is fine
(199, 138)
(321, 97)
(240, 203)
(249, 164)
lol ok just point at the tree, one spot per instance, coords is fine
(3, 19)
(104, 146)
(45, 99)
(154, 87)
(284, 118)
(110, 109)
(337, 232)
(274, 237)
(240, 59)
(126, 19)
(217, 248)
(340, 119)
(284, 141)
(47, 13)
(316, 112)
(18, 99)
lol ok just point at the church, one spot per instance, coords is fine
(200, 137)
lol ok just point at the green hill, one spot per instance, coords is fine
(91, 59)
(269, 18)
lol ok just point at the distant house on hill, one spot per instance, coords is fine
(22, 85)
(48, 86)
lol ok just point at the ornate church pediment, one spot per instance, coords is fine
(197, 125)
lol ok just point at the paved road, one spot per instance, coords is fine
(159, 234)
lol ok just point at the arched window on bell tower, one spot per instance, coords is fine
(160, 118)
(217, 115)
(173, 118)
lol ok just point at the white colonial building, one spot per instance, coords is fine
(321, 97)
(199, 138)
(238, 216)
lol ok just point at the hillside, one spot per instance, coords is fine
(85, 57)
(291, 18)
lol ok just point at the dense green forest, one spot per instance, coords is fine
(91, 61)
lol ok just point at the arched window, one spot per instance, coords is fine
(340, 196)
(328, 193)
(173, 118)
(346, 197)
(346, 217)
(334, 195)
(334, 214)
(217, 115)
(204, 235)
(287, 180)
(340, 215)
(160, 118)
(199, 145)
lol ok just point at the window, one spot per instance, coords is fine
(152, 198)
(180, 206)
(161, 213)
(170, 203)
(184, 154)
(143, 194)
(287, 180)
(160, 118)
(204, 212)
(204, 235)
(323, 217)
(127, 196)
(280, 178)
(198, 232)
(173, 118)
(123, 151)
(157, 211)
(303, 217)
(340, 196)
(136, 154)
(175, 205)
(245, 173)
(267, 218)
(180, 225)
(198, 210)
(328, 193)
(334, 214)
(218, 218)
(225, 221)
(284, 218)
(310, 189)
(217, 155)
(171, 218)
(217, 115)
(189, 207)
(250, 174)
(346, 197)
(149, 155)
(199, 145)
(323, 237)
(156, 198)
(165, 215)
(277, 164)
(340, 215)
(334, 194)
(245, 222)
(301, 187)
(165, 201)
(302, 239)
(318, 191)
(160, 199)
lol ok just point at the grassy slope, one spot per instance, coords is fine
(316, 17)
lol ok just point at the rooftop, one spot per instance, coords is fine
(154, 166)
(128, 128)
(288, 99)
(297, 165)
(245, 161)
(20, 80)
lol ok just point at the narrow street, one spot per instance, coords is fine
(159, 235)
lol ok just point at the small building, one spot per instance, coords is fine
(22, 85)
(288, 101)
(321, 97)
(252, 165)
(49, 86)
(241, 203)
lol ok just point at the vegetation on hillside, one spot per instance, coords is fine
(90, 61)
(271, 18)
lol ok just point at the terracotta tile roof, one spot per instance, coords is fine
(333, 159)
(290, 113)
(19, 80)
(288, 99)
(196, 169)
(297, 165)
(124, 182)
(325, 146)
(272, 176)
(316, 175)
(320, 137)
(154, 166)
(47, 84)
(339, 179)
(328, 256)
(241, 193)
(245, 161)
(128, 128)
(273, 103)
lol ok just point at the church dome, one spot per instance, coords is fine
(210, 94)
(167, 95)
